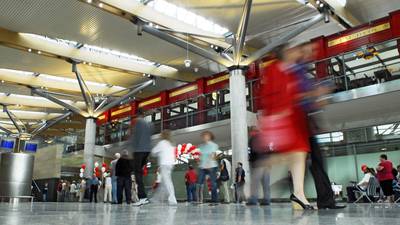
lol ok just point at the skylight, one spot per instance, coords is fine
(62, 79)
(342, 2)
(186, 16)
(93, 48)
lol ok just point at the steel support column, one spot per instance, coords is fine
(6, 130)
(88, 151)
(186, 44)
(59, 102)
(50, 123)
(116, 102)
(87, 96)
(14, 119)
(240, 36)
(238, 107)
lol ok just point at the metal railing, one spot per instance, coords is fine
(218, 108)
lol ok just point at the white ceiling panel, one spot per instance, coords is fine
(77, 21)
(25, 61)
(367, 10)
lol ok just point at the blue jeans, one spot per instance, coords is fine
(260, 175)
(191, 192)
(212, 172)
(114, 189)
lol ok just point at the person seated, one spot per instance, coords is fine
(362, 185)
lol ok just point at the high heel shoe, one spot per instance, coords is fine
(299, 205)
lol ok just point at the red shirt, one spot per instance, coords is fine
(386, 173)
(191, 176)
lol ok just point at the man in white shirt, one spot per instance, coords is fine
(108, 189)
(73, 191)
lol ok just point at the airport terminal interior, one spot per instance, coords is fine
(200, 112)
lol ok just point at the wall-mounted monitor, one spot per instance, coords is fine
(7, 144)
(30, 147)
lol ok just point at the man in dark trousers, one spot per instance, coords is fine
(123, 171)
(325, 196)
(311, 104)
(140, 144)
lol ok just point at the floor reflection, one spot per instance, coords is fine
(185, 214)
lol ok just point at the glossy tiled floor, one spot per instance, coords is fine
(87, 214)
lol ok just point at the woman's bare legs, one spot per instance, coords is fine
(296, 162)
(297, 167)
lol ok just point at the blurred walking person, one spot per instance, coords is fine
(190, 181)
(165, 152)
(284, 126)
(259, 173)
(123, 171)
(313, 98)
(140, 142)
(208, 166)
(114, 178)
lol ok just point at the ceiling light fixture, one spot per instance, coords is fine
(39, 52)
(101, 5)
(317, 2)
(187, 61)
(89, 1)
(29, 50)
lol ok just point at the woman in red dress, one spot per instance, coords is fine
(283, 122)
